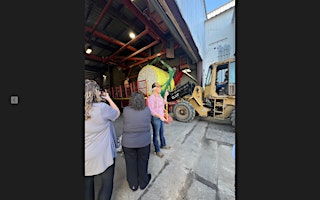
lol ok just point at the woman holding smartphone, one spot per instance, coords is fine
(100, 142)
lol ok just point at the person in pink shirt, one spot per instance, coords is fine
(157, 105)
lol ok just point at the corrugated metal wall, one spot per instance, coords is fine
(194, 13)
(90, 74)
(103, 81)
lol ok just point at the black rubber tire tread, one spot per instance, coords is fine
(188, 111)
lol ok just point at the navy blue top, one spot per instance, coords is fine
(136, 127)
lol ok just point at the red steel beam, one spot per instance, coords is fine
(141, 50)
(151, 57)
(109, 39)
(147, 59)
(155, 33)
(103, 12)
(99, 59)
(128, 43)
(122, 57)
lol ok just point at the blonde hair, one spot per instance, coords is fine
(91, 95)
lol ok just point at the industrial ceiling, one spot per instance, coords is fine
(109, 22)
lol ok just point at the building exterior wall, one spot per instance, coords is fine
(194, 13)
(213, 33)
(219, 37)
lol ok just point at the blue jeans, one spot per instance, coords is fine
(158, 130)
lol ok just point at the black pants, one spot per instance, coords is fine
(137, 160)
(102, 183)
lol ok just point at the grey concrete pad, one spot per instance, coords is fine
(198, 165)
(207, 165)
(226, 170)
(199, 191)
(223, 135)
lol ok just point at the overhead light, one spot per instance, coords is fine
(132, 35)
(89, 50)
(186, 70)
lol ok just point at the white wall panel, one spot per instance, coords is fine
(219, 38)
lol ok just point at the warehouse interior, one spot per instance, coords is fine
(126, 35)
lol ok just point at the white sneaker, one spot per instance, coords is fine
(119, 149)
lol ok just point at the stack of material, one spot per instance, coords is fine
(150, 74)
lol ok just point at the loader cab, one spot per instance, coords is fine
(216, 75)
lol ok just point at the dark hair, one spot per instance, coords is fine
(155, 85)
(137, 101)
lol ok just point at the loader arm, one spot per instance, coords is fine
(197, 103)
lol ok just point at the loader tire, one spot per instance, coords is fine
(233, 117)
(184, 111)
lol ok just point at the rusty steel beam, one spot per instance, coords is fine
(145, 32)
(140, 50)
(103, 12)
(147, 59)
(109, 39)
(151, 57)
(122, 57)
(102, 60)
(154, 31)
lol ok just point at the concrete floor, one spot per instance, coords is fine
(199, 164)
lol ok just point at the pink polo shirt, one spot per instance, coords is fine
(156, 104)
